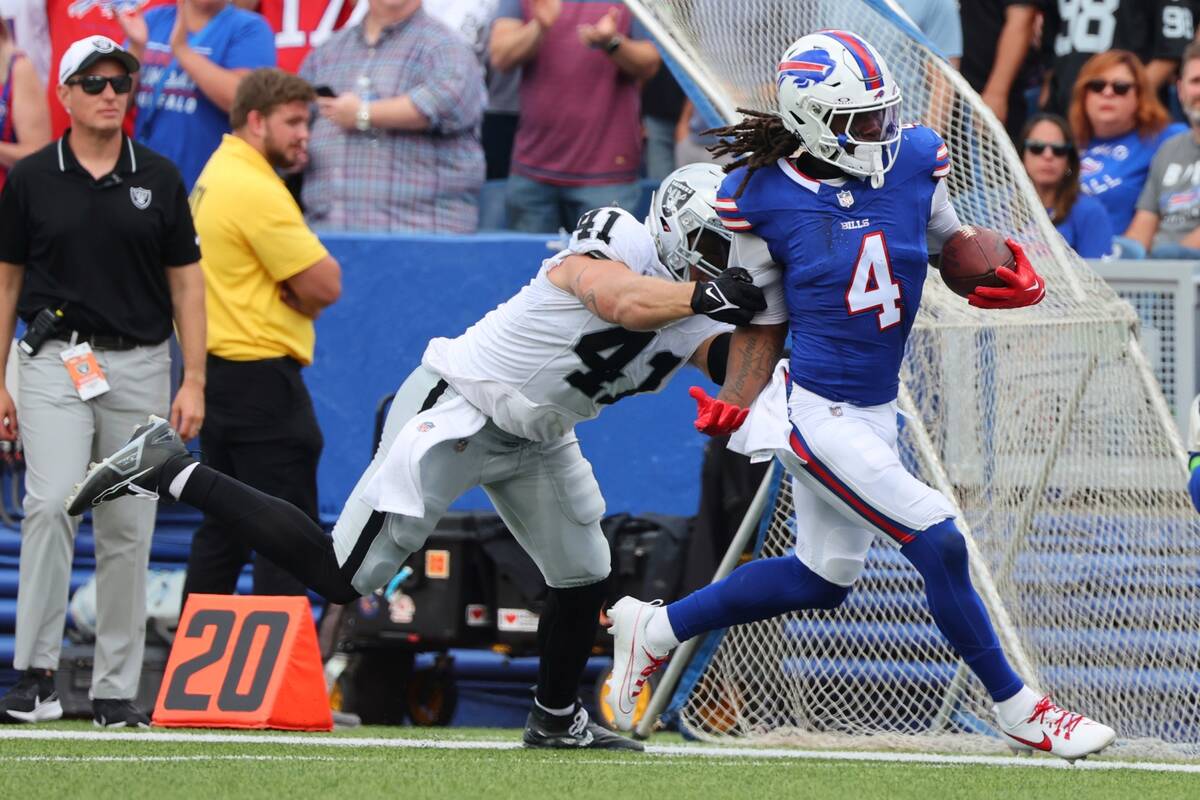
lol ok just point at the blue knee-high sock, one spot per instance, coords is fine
(940, 554)
(753, 591)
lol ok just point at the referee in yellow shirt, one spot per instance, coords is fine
(267, 277)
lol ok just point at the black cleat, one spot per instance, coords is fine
(118, 714)
(135, 469)
(543, 729)
(32, 699)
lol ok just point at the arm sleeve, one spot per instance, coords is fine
(180, 245)
(510, 9)
(14, 224)
(308, 67)
(284, 244)
(941, 159)
(1095, 232)
(727, 207)
(1148, 199)
(252, 46)
(751, 253)
(943, 219)
(453, 95)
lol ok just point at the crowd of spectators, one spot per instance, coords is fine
(561, 105)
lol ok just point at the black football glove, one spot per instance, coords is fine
(730, 297)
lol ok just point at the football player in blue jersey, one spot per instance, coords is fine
(850, 203)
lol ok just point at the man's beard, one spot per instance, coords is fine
(1193, 114)
(277, 157)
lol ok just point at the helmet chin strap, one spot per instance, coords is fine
(867, 162)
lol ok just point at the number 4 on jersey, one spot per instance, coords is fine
(872, 286)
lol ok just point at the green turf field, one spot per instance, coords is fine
(135, 765)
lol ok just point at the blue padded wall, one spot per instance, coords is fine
(399, 292)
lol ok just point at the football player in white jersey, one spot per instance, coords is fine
(616, 313)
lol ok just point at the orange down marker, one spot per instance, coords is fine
(245, 662)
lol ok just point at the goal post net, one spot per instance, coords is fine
(1044, 426)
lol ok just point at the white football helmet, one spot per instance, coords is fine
(684, 223)
(837, 95)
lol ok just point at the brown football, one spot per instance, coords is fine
(970, 258)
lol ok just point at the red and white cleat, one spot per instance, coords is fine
(633, 661)
(1054, 730)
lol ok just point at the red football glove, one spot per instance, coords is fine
(1025, 287)
(716, 417)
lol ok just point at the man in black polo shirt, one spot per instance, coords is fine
(96, 236)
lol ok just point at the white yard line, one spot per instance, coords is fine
(144, 759)
(669, 751)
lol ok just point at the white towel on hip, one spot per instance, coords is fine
(395, 487)
(767, 428)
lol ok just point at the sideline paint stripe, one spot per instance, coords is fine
(146, 759)
(670, 751)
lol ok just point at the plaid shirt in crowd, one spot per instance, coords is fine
(392, 180)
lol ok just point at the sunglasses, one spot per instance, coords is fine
(94, 84)
(1037, 148)
(1120, 88)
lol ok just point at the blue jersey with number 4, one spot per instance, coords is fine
(854, 261)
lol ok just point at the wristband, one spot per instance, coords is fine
(612, 44)
(362, 119)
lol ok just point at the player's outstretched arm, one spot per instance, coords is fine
(742, 362)
(616, 294)
(754, 351)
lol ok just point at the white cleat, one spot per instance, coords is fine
(633, 661)
(1054, 730)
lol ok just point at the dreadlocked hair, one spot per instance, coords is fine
(759, 139)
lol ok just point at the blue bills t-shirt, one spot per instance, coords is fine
(174, 117)
(1087, 228)
(1114, 170)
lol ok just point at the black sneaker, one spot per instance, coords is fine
(543, 729)
(118, 714)
(135, 469)
(32, 699)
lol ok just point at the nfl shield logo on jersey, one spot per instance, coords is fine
(140, 197)
(845, 199)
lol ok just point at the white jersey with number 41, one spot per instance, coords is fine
(542, 361)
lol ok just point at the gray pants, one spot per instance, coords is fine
(61, 434)
(544, 491)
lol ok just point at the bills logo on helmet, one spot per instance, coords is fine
(806, 69)
(677, 195)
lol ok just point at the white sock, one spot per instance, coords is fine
(558, 712)
(1017, 708)
(660, 636)
(178, 482)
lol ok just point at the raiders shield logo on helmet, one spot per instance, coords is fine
(140, 197)
(677, 195)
